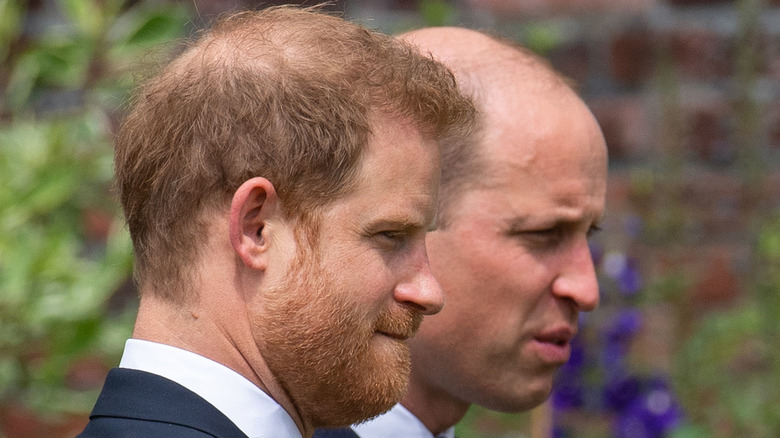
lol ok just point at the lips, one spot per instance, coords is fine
(400, 326)
(553, 346)
(397, 336)
(560, 336)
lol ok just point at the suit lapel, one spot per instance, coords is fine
(341, 432)
(145, 396)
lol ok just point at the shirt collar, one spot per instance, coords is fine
(246, 405)
(398, 422)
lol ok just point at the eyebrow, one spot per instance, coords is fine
(548, 221)
(398, 223)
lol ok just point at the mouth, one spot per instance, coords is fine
(553, 346)
(560, 342)
(561, 336)
(396, 336)
(399, 328)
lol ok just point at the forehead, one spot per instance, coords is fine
(397, 178)
(545, 150)
(542, 130)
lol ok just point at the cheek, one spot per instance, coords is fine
(367, 284)
(491, 286)
(478, 270)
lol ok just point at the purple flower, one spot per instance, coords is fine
(629, 280)
(612, 356)
(621, 392)
(623, 327)
(577, 356)
(618, 335)
(633, 225)
(568, 391)
(596, 252)
(567, 394)
(624, 270)
(652, 414)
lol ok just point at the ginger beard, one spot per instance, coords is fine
(324, 350)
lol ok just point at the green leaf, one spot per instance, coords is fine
(689, 431)
(436, 12)
(23, 77)
(86, 15)
(10, 373)
(64, 62)
(57, 187)
(543, 37)
(148, 25)
(154, 29)
(10, 24)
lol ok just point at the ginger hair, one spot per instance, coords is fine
(285, 93)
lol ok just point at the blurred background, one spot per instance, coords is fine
(687, 93)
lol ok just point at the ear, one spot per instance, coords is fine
(253, 204)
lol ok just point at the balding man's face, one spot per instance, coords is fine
(514, 264)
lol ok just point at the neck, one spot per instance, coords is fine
(194, 328)
(436, 409)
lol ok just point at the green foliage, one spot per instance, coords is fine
(10, 24)
(483, 423)
(437, 12)
(542, 37)
(63, 250)
(728, 371)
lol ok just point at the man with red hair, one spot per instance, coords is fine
(278, 179)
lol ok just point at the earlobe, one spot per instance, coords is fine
(254, 202)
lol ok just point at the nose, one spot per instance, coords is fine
(577, 277)
(420, 291)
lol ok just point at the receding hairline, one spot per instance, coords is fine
(493, 72)
(485, 63)
(253, 46)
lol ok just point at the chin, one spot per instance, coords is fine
(519, 401)
(517, 406)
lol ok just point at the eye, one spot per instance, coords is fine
(543, 238)
(392, 235)
(392, 238)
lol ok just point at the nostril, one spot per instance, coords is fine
(419, 308)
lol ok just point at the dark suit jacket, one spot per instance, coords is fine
(136, 404)
(341, 432)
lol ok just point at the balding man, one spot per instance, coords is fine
(519, 200)
(278, 179)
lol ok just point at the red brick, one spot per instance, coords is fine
(536, 8)
(701, 53)
(699, 2)
(86, 373)
(631, 56)
(718, 284)
(624, 121)
(709, 136)
(572, 60)
(18, 421)
(97, 224)
(773, 123)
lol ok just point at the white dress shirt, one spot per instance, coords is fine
(398, 422)
(246, 405)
